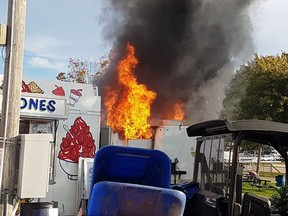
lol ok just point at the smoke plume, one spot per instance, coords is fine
(186, 49)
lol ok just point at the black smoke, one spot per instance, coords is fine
(185, 48)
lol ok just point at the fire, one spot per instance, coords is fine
(178, 108)
(129, 103)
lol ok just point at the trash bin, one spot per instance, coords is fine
(280, 180)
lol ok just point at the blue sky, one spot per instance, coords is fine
(58, 30)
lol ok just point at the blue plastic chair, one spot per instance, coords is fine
(124, 199)
(133, 181)
(131, 165)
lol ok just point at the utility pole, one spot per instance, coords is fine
(10, 117)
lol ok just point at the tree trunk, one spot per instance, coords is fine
(259, 159)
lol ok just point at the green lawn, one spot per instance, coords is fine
(269, 174)
(264, 191)
(267, 192)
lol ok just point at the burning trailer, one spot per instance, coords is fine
(128, 117)
(168, 136)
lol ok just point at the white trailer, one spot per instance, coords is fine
(170, 136)
(69, 114)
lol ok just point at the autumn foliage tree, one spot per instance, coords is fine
(83, 71)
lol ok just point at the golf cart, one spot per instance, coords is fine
(219, 177)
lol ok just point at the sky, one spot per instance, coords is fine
(63, 29)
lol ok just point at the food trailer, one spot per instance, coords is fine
(69, 115)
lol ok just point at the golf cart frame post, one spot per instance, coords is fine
(264, 132)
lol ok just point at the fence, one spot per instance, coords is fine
(273, 167)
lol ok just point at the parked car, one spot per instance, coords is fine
(268, 158)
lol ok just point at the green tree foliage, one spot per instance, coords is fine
(279, 200)
(259, 90)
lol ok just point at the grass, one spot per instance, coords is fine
(270, 174)
(264, 191)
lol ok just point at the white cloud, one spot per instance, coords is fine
(57, 30)
(46, 46)
(44, 63)
(270, 20)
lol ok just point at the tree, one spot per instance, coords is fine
(259, 90)
(266, 96)
(83, 71)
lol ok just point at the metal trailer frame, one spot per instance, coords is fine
(270, 133)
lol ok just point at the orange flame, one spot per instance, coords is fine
(128, 105)
(178, 108)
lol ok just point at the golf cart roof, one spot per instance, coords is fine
(265, 132)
